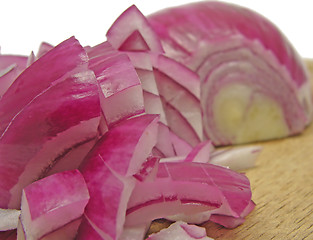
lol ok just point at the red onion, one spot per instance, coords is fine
(169, 86)
(189, 188)
(254, 85)
(109, 168)
(120, 97)
(132, 32)
(51, 109)
(52, 203)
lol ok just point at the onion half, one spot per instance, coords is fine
(254, 85)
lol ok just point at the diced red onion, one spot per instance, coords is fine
(56, 109)
(120, 97)
(179, 89)
(109, 168)
(138, 42)
(51, 203)
(132, 32)
(238, 158)
(178, 185)
(200, 153)
(67, 56)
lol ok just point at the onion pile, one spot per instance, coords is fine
(97, 142)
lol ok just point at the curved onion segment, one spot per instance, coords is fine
(238, 158)
(121, 96)
(138, 41)
(200, 153)
(51, 203)
(49, 110)
(181, 230)
(132, 32)
(67, 56)
(109, 168)
(189, 188)
(179, 89)
(254, 85)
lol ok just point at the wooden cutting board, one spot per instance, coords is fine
(282, 188)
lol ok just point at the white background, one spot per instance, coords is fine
(24, 24)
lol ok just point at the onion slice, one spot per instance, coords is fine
(237, 158)
(120, 96)
(57, 111)
(63, 197)
(132, 32)
(179, 89)
(109, 168)
(189, 188)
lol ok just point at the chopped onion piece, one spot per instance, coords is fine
(67, 56)
(57, 111)
(200, 153)
(179, 89)
(109, 168)
(188, 188)
(51, 203)
(238, 158)
(121, 97)
(132, 32)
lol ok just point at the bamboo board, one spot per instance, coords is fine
(282, 188)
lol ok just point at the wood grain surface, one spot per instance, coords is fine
(282, 188)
